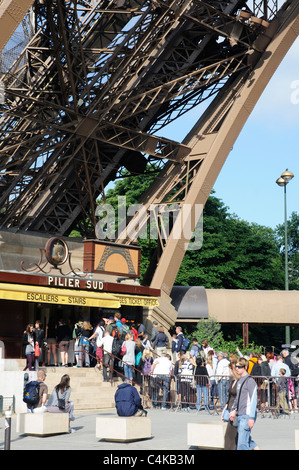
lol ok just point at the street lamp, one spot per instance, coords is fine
(284, 179)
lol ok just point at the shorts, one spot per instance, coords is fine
(99, 354)
(51, 341)
(63, 346)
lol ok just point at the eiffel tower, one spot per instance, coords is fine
(95, 83)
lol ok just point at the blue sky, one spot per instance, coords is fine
(267, 145)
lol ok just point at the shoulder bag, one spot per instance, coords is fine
(61, 402)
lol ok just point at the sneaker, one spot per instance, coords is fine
(163, 408)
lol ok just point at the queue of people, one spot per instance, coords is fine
(202, 375)
(202, 378)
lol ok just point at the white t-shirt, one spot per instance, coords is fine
(163, 366)
(106, 342)
(100, 333)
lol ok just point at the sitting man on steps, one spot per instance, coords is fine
(128, 401)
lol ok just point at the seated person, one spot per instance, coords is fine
(36, 394)
(62, 392)
(128, 401)
(40, 407)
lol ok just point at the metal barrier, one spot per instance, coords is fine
(210, 394)
(199, 393)
(7, 404)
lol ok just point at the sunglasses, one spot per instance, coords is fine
(239, 367)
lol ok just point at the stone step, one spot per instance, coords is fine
(89, 391)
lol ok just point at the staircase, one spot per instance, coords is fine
(89, 391)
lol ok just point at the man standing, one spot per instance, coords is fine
(197, 349)
(140, 330)
(280, 364)
(289, 362)
(154, 331)
(160, 378)
(106, 343)
(180, 339)
(244, 407)
(222, 377)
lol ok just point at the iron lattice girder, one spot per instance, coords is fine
(218, 129)
(222, 24)
(49, 100)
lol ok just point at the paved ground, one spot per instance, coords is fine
(168, 433)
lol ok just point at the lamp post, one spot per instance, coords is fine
(284, 179)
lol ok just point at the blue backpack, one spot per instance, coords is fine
(31, 393)
(185, 344)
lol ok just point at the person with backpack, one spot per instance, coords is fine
(98, 335)
(114, 322)
(36, 394)
(40, 405)
(197, 349)
(181, 345)
(84, 352)
(145, 364)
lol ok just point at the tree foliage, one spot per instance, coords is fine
(211, 330)
(235, 254)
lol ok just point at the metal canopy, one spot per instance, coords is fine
(190, 302)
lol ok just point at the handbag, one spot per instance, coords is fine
(235, 422)
(61, 402)
(225, 415)
(123, 349)
(36, 349)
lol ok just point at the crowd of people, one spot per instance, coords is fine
(170, 372)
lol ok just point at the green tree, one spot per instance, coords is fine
(234, 254)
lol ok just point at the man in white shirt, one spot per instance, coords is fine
(222, 377)
(106, 342)
(280, 364)
(160, 376)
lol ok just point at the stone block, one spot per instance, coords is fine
(42, 424)
(119, 428)
(296, 439)
(206, 435)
